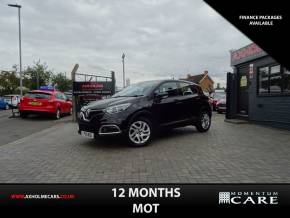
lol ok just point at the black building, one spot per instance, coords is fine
(258, 88)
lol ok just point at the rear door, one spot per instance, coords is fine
(167, 109)
(61, 101)
(190, 100)
(67, 103)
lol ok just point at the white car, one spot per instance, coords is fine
(12, 100)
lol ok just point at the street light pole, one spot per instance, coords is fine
(20, 52)
(123, 60)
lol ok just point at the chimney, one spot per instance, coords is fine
(205, 72)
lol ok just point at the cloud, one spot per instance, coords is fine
(161, 38)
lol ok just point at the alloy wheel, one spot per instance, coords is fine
(57, 114)
(139, 132)
(205, 121)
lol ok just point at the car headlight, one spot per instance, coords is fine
(117, 108)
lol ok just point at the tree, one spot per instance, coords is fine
(36, 75)
(61, 82)
(8, 82)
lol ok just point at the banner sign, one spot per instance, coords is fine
(160, 199)
(101, 88)
(247, 53)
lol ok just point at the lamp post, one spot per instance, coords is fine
(20, 55)
(123, 60)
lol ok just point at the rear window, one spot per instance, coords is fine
(39, 95)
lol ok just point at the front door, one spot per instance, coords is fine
(243, 90)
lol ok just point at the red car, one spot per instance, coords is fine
(221, 106)
(216, 97)
(45, 102)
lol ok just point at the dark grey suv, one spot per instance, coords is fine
(141, 110)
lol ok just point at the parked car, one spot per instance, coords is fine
(12, 100)
(45, 102)
(217, 95)
(3, 104)
(140, 110)
(210, 99)
(221, 106)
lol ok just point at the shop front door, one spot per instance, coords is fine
(243, 90)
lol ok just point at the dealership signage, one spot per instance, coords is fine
(247, 53)
(248, 197)
(100, 88)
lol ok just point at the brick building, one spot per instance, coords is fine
(204, 80)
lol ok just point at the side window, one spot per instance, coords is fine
(64, 97)
(170, 88)
(59, 96)
(187, 89)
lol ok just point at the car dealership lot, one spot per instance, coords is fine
(12, 129)
(227, 153)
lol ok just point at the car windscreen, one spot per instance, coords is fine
(38, 95)
(138, 89)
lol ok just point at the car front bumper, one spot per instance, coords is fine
(102, 125)
(221, 109)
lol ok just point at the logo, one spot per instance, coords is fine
(87, 113)
(82, 116)
(251, 197)
(224, 198)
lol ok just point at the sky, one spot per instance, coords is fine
(161, 39)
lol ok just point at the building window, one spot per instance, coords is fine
(286, 79)
(264, 80)
(273, 80)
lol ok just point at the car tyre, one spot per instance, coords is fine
(140, 132)
(204, 121)
(57, 114)
(23, 115)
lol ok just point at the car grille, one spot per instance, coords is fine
(91, 115)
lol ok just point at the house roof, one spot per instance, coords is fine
(197, 78)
